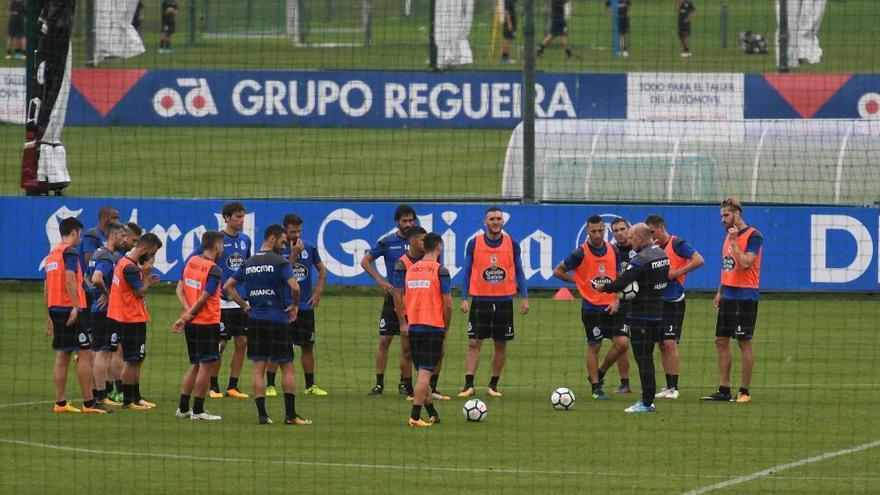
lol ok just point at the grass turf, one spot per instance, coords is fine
(814, 392)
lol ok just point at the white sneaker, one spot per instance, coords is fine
(183, 414)
(662, 393)
(685, 54)
(672, 393)
(205, 416)
(624, 53)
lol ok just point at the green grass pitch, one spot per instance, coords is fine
(815, 391)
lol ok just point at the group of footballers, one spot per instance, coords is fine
(264, 302)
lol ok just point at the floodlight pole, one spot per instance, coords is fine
(528, 102)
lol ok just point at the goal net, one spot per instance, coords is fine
(770, 161)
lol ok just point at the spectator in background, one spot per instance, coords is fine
(15, 40)
(138, 19)
(686, 12)
(509, 33)
(169, 12)
(623, 12)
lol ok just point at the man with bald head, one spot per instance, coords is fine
(649, 268)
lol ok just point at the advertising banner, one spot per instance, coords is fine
(805, 249)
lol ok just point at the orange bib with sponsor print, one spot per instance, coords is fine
(56, 280)
(195, 278)
(424, 301)
(599, 269)
(731, 274)
(675, 261)
(126, 305)
(494, 270)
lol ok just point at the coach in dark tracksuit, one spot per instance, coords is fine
(650, 269)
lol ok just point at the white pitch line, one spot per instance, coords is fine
(20, 404)
(782, 467)
(343, 465)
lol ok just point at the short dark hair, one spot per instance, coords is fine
(655, 220)
(211, 238)
(491, 209)
(617, 220)
(402, 211)
(273, 232)
(68, 225)
(732, 203)
(231, 208)
(105, 212)
(414, 231)
(432, 240)
(149, 239)
(112, 228)
(292, 219)
(595, 219)
(134, 229)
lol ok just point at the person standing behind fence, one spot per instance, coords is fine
(686, 11)
(624, 9)
(509, 33)
(558, 27)
(16, 38)
(169, 25)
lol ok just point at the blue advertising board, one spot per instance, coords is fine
(806, 248)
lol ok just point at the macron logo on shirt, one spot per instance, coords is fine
(259, 269)
(418, 284)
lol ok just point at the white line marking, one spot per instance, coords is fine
(19, 404)
(783, 467)
(63, 448)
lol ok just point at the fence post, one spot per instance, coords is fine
(528, 102)
(432, 41)
(723, 30)
(192, 22)
(783, 36)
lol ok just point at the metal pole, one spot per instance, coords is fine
(90, 32)
(615, 27)
(192, 22)
(723, 31)
(432, 41)
(529, 102)
(783, 35)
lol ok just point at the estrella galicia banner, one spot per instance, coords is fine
(806, 248)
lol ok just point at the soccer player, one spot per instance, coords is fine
(234, 321)
(620, 231)
(268, 278)
(391, 248)
(683, 259)
(128, 310)
(65, 298)
(650, 268)
(624, 10)
(593, 262)
(737, 299)
(105, 340)
(305, 260)
(428, 303)
(509, 32)
(16, 39)
(686, 12)
(493, 275)
(169, 12)
(92, 239)
(133, 232)
(199, 293)
(558, 27)
(415, 236)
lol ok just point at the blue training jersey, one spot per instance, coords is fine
(265, 274)
(304, 271)
(103, 261)
(236, 250)
(391, 247)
